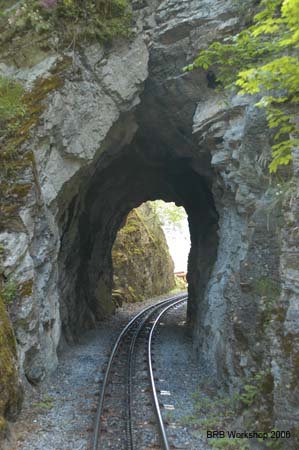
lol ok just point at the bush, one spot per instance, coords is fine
(73, 19)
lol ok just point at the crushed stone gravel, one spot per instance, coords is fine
(58, 414)
(179, 375)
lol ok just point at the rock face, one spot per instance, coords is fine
(142, 265)
(285, 348)
(123, 125)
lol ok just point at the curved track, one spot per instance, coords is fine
(114, 423)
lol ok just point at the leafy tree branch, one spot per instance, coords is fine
(265, 58)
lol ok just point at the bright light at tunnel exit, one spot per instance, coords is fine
(174, 221)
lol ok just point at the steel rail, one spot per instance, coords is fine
(98, 421)
(161, 426)
(130, 439)
(130, 368)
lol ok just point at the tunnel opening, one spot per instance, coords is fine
(174, 222)
(90, 222)
(150, 253)
(150, 153)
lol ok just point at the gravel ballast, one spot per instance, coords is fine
(178, 374)
(59, 413)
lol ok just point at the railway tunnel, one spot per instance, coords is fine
(123, 124)
(124, 127)
(171, 137)
(150, 154)
(91, 222)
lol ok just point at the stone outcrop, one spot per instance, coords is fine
(123, 125)
(285, 343)
(84, 109)
(142, 265)
(242, 294)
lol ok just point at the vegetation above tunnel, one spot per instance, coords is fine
(265, 59)
(30, 31)
(65, 22)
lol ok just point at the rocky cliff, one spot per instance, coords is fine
(142, 266)
(113, 126)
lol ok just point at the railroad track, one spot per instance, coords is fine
(128, 415)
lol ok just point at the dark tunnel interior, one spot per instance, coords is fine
(149, 154)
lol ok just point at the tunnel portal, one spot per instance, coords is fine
(149, 155)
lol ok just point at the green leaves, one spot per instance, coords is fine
(282, 154)
(263, 59)
(72, 19)
(171, 216)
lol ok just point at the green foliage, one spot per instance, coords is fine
(227, 443)
(180, 284)
(274, 444)
(170, 215)
(223, 411)
(12, 106)
(71, 20)
(265, 59)
(9, 291)
(253, 389)
(210, 412)
(249, 394)
(215, 412)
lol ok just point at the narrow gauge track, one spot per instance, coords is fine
(128, 391)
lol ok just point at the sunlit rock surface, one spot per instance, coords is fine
(142, 266)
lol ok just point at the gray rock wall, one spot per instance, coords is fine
(284, 348)
(66, 144)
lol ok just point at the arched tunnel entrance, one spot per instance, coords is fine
(90, 223)
(150, 153)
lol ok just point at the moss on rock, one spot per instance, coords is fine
(10, 388)
(17, 160)
(104, 305)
